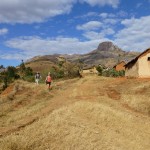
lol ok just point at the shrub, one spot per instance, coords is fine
(122, 73)
(99, 69)
(28, 71)
(11, 72)
(113, 73)
(60, 74)
(29, 78)
(5, 83)
(56, 73)
(68, 70)
(25, 73)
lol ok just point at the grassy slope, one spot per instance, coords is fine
(89, 113)
(41, 66)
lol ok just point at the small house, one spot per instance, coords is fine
(120, 66)
(2, 70)
(139, 66)
(89, 70)
(61, 59)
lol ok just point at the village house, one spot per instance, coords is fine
(120, 66)
(61, 59)
(89, 70)
(140, 66)
(2, 70)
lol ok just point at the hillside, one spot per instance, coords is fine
(42, 66)
(106, 54)
(42, 63)
(88, 113)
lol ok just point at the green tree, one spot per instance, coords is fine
(1, 67)
(28, 71)
(11, 72)
(5, 81)
(22, 67)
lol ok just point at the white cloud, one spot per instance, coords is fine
(14, 56)
(93, 35)
(34, 46)
(108, 31)
(135, 35)
(89, 14)
(107, 15)
(104, 15)
(110, 21)
(3, 31)
(99, 35)
(119, 14)
(91, 25)
(122, 13)
(29, 11)
(113, 3)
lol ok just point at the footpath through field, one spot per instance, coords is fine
(101, 110)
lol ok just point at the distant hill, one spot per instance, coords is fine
(106, 54)
(52, 58)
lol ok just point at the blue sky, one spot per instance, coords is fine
(31, 28)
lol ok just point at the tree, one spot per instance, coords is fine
(28, 71)
(5, 81)
(11, 72)
(1, 67)
(80, 64)
(22, 67)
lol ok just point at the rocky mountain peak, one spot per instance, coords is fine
(107, 46)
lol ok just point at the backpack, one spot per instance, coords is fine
(37, 76)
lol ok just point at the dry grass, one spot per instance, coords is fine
(90, 113)
(83, 125)
(22, 99)
(135, 94)
(40, 65)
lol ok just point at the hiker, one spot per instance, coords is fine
(37, 78)
(48, 80)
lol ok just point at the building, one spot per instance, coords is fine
(2, 70)
(139, 66)
(61, 59)
(120, 66)
(89, 70)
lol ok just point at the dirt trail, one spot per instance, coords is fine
(89, 88)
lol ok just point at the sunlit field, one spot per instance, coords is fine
(89, 113)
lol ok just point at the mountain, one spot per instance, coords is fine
(107, 46)
(106, 54)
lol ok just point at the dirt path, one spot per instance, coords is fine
(89, 88)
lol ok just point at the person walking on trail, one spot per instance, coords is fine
(37, 78)
(48, 80)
